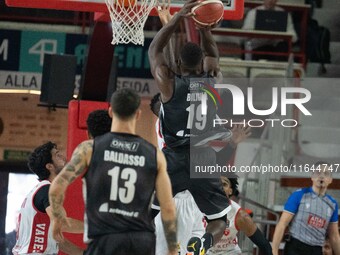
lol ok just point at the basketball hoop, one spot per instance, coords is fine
(128, 18)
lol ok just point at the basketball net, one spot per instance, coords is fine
(128, 18)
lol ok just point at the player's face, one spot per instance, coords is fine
(226, 186)
(322, 177)
(58, 160)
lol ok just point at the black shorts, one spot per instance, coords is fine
(136, 243)
(207, 192)
(296, 247)
(178, 163)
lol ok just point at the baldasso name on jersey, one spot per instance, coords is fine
(124, 145)
(124, 158)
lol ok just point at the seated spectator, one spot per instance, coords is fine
(269, 45)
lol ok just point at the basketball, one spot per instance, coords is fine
(208, 12)
(126, 3)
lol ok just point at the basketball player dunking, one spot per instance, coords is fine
(175, 91)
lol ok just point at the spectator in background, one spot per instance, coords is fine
(268, 45)
(313, 4)
(313, 214)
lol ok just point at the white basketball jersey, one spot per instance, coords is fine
(228, 243)
(34, 234)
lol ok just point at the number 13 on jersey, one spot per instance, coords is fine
(126, 192)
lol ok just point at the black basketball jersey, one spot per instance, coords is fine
(119, 185)
(184, 116)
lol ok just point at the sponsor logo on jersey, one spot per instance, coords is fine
(316, 221)
(124, 145)
(196, 85)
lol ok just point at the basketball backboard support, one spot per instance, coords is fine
(233, 9)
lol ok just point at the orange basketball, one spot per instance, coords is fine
(126, 3)
(208, 12)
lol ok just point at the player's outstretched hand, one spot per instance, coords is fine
(186, 9)
(240, 133)
(163, 10)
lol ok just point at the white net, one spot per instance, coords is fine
(128, 18)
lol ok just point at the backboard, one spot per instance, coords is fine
(233, 9)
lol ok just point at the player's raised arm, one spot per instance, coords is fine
(158, 63)
(209, 47)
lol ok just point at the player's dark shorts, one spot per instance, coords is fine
(207, 192)
(296, 247)
(130, 243)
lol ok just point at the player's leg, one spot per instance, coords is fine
(189, 223)
(192, 217)
(211, 200)
(215, 207)
(177, 167)
(177, 162)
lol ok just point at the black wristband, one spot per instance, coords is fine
(259, 239)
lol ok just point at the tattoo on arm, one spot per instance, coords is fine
(170, 234)
(57, 205)
(78, 162)
(70, 172)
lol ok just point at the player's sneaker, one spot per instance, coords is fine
(195, 246)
